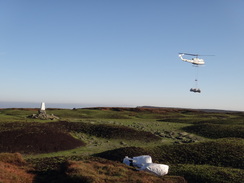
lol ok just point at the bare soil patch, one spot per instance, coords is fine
(36, 138)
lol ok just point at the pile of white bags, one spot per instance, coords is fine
(145, 163)
(128, 161)
(158, 169)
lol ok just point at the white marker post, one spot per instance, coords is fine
(42, 109)
(43, 106)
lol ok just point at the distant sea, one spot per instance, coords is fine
(38, 104)
(52, 105)
(76, 105)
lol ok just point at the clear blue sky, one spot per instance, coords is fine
(122, 52)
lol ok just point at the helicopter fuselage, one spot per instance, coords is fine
(195, 61)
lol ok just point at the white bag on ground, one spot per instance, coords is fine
(140, 161)
(158, 169)
(128, 161)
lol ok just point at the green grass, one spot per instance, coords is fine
(196, 144)
(223, 152)
(206, 173)
(216, 130)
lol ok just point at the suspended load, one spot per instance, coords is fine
(195, 90)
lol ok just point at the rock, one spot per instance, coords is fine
(183, 133)
(180, 138)
(177, 142)
(42, 114)
(122, 143)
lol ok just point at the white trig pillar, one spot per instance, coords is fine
(42, 106)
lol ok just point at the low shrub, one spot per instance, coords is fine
(13, 169)
(119, 154)
(216, 130)
(91, 169)
(108, 131)
(207, 174)
(48, 164)
(224, 152)
(10, 173)
(13, 158)
(109, 171)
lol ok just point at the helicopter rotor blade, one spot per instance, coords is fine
(196, 55)
(206, 55)
(189, 54)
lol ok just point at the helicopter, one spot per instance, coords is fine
(194, 61)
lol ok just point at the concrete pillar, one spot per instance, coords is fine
(42, 107)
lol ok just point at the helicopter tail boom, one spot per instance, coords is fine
(183, 59)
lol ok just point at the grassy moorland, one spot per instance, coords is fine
(88, 145)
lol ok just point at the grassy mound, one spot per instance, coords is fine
(216, 130)
(119, 154)
(14, 174)
(90, 169)
(12, 169)
(109, 171)
(52, 137)
(119, 113)
(208, 174)
(108, 131)
(36, 139)
(205, 162)
(224, 152)
(12, 158)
